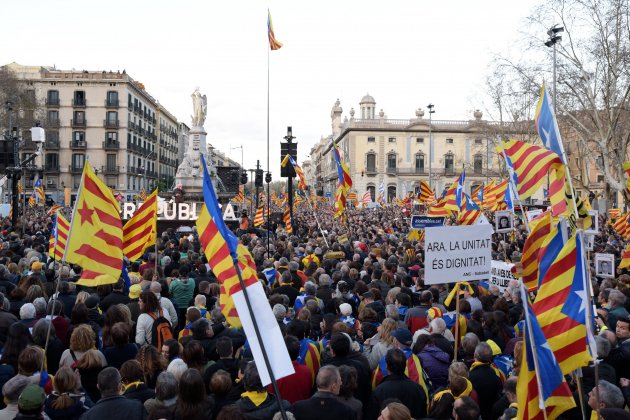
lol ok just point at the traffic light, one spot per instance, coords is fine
(258, 181)
(243, 177)
(268, 178)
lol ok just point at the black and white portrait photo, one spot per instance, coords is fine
(605, 265)
(594, 228)
(503, 221)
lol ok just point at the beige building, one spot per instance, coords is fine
(107, 118)
(398, 153)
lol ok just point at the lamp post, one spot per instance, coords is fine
(431, 111)
(554, 38)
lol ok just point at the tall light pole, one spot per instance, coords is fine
(431, 111)
(239, 147)
(554, 38)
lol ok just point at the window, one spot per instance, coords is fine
(371, 162)
(53, 118)
(52, 161)
(78, 136)
(478, 163)
(371, 139)
(78, 161)
(129, 101)
(420, 140)
(477, 141)
(600, 178)
(111, 162)
(449, 141)
(391, 193)
(420, 162)
(448, 163)
(112, 118)
(79, 98)
(391, 161)
(79, 117)
(600, 162)
(112, 98)
(372, 190)
(392, 139)
(111, 136)
(76, 181)
(52, 97)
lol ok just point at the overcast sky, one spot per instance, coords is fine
(405, 53)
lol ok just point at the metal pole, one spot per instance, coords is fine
(430, 144)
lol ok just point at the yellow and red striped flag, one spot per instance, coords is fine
(259, 218)
(495, 196)
(426, 195)
(367, 198)
(614, 213)
(438, 210)
(58, 237)
(274, 44)
(32, 201)
(143, 195)
(287, 220)
(140, 231)
(625, 257)
(95, 235)
(240, 197)
(53, 209)
(534, 245)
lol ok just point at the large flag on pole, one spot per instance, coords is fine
(532, 249)
(298, 171)
(223, 250)
(427, 195)
(541, 384)
(562, 307)
(95, 236)
(39, 191)
(140, 231)
(274, 44)
(547, 125)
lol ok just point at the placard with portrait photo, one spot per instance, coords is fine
(605, 265)
(503, 221)
(594, 228)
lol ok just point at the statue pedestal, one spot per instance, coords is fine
(190, 171)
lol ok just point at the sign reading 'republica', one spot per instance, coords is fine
(457, 253)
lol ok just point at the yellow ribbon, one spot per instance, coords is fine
(255, 397)
(458, 285)
(134, 384)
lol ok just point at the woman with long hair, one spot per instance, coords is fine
(150, 309)
(89, 366)
(18, 337)
(192, 401)
(152, 363)
(66, 402)
(380, 343)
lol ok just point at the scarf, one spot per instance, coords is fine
(133, 384)
(496, 370)
(256, 398)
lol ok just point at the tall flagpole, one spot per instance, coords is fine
(268, 166)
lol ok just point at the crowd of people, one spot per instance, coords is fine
(366, 337)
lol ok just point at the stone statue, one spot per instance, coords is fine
(200, 106)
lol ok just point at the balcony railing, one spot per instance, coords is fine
(79, 103)
(52, 144)
(111, 103)
(412, 171)
(51, 167)
(28, 145)
(110, 169)
(78, 144)
(75, 169)
(111, 145)
(52, 101)
(53, 123)
(371, 171)
(79, 122)
(391, 170)
(110, 123)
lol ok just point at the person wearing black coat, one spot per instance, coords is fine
(484, 379)
(133, 381)
(397, 385)
(112, 405)
(208, 334)
(254, 390)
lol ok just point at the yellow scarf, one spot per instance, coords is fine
(255, 397)
(133, 384)
(467, 391)
(496, 370)
(451, 295)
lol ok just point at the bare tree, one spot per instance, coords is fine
(593, 83)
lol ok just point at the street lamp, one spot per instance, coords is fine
(431, 111)
(554, 38)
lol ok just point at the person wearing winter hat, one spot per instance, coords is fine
(345, 309)
(11, 392)
(31, 402)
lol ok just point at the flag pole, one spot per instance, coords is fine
(457, 339)
(528, 322)
(268, 167)
(274, 383)
(317, 220)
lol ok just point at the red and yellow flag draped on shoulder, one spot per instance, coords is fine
(95, 236)
(141, 230)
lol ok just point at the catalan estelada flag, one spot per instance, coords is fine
(298, 171)
(343, 172)
(222, 249)
(532, 248)
(529, 164)
(95, 235)
(413, 371)
(453, 197)
(561, 307)
(39, 191)
(309, 356)
(547, 125)
(259, 218)
(140, 231)
(470, 212)
(541, 384)
(274, 44)
(58, 237)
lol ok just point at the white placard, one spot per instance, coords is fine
(457, 253)
(532, 214)
(501, 274)
(594, 229)
(605, 265)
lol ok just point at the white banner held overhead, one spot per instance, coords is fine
(501, 274)
(457, 253)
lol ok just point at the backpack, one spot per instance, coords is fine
(161, 330)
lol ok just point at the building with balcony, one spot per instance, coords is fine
(130, 139)
(398, 153)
